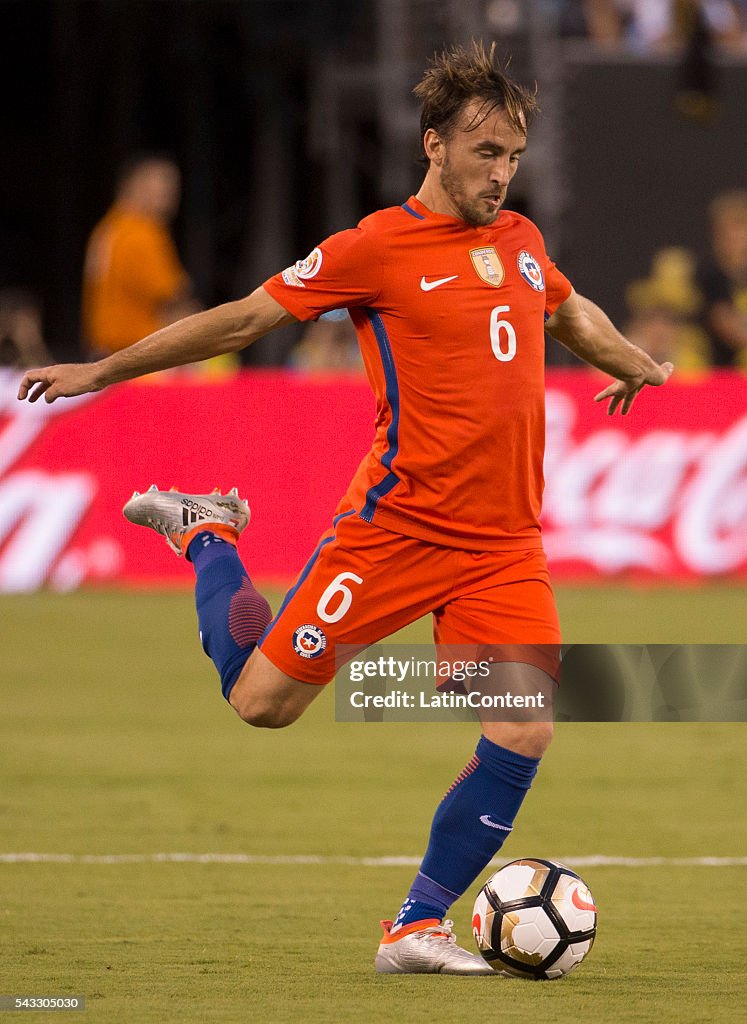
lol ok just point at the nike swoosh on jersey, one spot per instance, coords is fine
(485, 819)
(428, 286)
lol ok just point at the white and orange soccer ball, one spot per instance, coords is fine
(534, 919)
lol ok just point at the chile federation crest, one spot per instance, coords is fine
(531, 271)
(309, 641)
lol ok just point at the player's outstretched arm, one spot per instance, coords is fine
(588, 332)
(213, 332)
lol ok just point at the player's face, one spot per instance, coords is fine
(477, 165)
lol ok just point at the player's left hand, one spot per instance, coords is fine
(64, 380)
(622, 392)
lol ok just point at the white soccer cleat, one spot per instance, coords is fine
(428, 950)
(174, 515)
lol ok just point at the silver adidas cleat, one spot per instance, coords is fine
(173, 514)
(431, 950)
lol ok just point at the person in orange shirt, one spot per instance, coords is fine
(449, 295)
(133, 280)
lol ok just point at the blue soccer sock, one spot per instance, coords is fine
(232, 616)
(469, 827)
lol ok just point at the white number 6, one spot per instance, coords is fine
(337, 587)
(496, 326)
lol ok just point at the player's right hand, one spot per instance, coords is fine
(61, 381)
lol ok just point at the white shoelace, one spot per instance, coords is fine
(440, 931)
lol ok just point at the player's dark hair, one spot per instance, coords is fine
(458, 75)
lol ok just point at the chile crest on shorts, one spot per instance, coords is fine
(530, 270)
(309, 641)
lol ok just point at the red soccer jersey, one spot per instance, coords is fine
(450, 321)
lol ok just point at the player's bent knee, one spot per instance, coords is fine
(267, 718)
(266, 698)
(264, 714)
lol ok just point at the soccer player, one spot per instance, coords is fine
(449, 295)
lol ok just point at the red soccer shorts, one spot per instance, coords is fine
(364, 583)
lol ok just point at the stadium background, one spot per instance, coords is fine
(291, 120)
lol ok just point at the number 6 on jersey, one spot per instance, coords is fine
(496, 326)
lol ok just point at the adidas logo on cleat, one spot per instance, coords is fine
(192, 511)
(190, 515)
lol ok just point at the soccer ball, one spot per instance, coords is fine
(534, 919)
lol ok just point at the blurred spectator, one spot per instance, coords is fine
(328, 343)
(663, 26)
(133, 280)
(21, 339)
(660, 307)
(505, 18)
(722, 280)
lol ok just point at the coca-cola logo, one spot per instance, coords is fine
(660, 501)
(40, 511)
(663, 493)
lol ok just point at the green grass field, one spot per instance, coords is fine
(114, 740)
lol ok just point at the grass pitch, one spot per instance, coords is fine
(114, 740)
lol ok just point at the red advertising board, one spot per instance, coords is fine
(660, 494)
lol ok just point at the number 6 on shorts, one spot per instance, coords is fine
(337, 586)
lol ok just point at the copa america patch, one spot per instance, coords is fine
(309, 641)
(303, 270)
(310, 267)
(531, 271)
